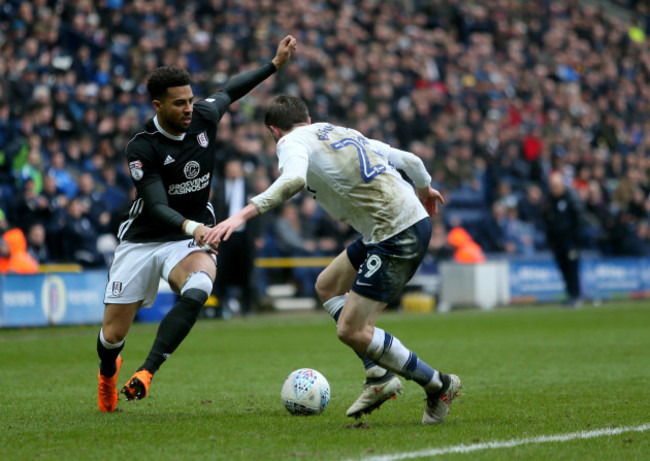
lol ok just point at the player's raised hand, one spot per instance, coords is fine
(430, 198)
(285, 48)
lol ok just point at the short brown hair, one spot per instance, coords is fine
(285, 111)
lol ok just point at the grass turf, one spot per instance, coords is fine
(527, 372)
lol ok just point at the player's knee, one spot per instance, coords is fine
(344, 334)
(347, 334)
(357, 338)
(112, 335)
(324, 290)
(197, 287)
(321, 292)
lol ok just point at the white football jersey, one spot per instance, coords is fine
(351, 178)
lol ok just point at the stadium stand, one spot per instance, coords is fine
(485, 92)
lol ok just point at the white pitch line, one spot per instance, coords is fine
(509, 443)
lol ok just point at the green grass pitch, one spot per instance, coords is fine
(527, 372)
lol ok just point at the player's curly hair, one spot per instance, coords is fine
(285, 111)
(165, 77)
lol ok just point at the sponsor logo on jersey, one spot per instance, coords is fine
(191, 169)
(203, 139)
(168, 160)
(117, 288)
(190, 186)
(136, 170)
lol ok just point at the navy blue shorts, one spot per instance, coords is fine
(385, 267)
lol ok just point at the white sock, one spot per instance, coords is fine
(334, 305)
(106, 344)
(435, 384)
(375, 372)
(392, 356)
(390, 353)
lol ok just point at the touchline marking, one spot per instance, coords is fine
(510, 443)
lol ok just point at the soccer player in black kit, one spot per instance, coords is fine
(171, 162)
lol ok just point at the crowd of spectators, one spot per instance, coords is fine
(493, 95)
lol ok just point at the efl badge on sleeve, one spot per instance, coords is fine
(203, 139)
(117, 288)
(136, 170)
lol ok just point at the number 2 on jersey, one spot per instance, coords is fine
(368, 172)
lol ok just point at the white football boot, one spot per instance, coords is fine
(375, 392)
(438, 404)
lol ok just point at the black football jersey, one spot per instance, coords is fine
(174, 173)
(183, 164)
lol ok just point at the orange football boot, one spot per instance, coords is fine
(107, 390)
(138, 385)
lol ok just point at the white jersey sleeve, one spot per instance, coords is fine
(409, 163)
(352, 179)
(293, 162)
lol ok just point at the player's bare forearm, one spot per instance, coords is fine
(429, 197)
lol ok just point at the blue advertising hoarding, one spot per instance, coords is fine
(535, 281)
(614, 278)
(600, 279)
(52, 299)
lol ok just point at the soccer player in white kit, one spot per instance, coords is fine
(355, 180)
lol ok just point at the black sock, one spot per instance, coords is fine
(107, 358)
(172, 330)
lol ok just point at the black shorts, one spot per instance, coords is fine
(385, 267)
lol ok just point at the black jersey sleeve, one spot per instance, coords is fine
(149, 185)
(235, 88)
(238, 86)
(155, 200)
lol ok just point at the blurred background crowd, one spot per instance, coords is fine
(493, 95)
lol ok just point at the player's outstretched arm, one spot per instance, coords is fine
(240, 85)
(285, 187)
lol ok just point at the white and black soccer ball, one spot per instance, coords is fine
(305, 392)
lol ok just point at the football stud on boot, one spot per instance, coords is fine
(138, 385)
(107, 389)
(375, 392)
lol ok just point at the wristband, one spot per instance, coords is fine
(190, 227)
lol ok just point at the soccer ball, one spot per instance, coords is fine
(305, 392)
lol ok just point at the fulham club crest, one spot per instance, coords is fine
(203, 139)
